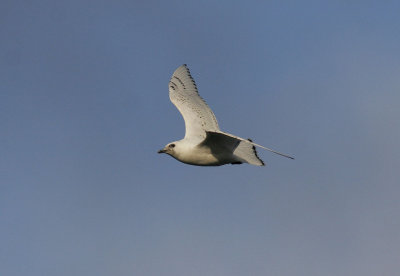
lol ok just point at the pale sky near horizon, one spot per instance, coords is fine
(84, 108)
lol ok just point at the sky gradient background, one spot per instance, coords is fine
(84, 108)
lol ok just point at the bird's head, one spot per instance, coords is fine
(169, 148)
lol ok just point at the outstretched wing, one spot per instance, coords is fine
(221, 143)
(254, 144)
(198, 117)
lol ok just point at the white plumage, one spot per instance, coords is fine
(195, 111)
(204, 144)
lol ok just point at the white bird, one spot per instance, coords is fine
(204, 143)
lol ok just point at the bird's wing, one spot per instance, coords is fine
(254, 144)
(221, 143)
(198, 117)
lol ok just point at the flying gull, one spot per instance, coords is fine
(204, 143)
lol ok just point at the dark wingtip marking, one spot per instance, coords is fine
(255, 153)
(190, 76)
(180, 81)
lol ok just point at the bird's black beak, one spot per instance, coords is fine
(161, 151)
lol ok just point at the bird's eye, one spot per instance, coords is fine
(172, 145)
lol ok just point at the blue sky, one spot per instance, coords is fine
(84, 108)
